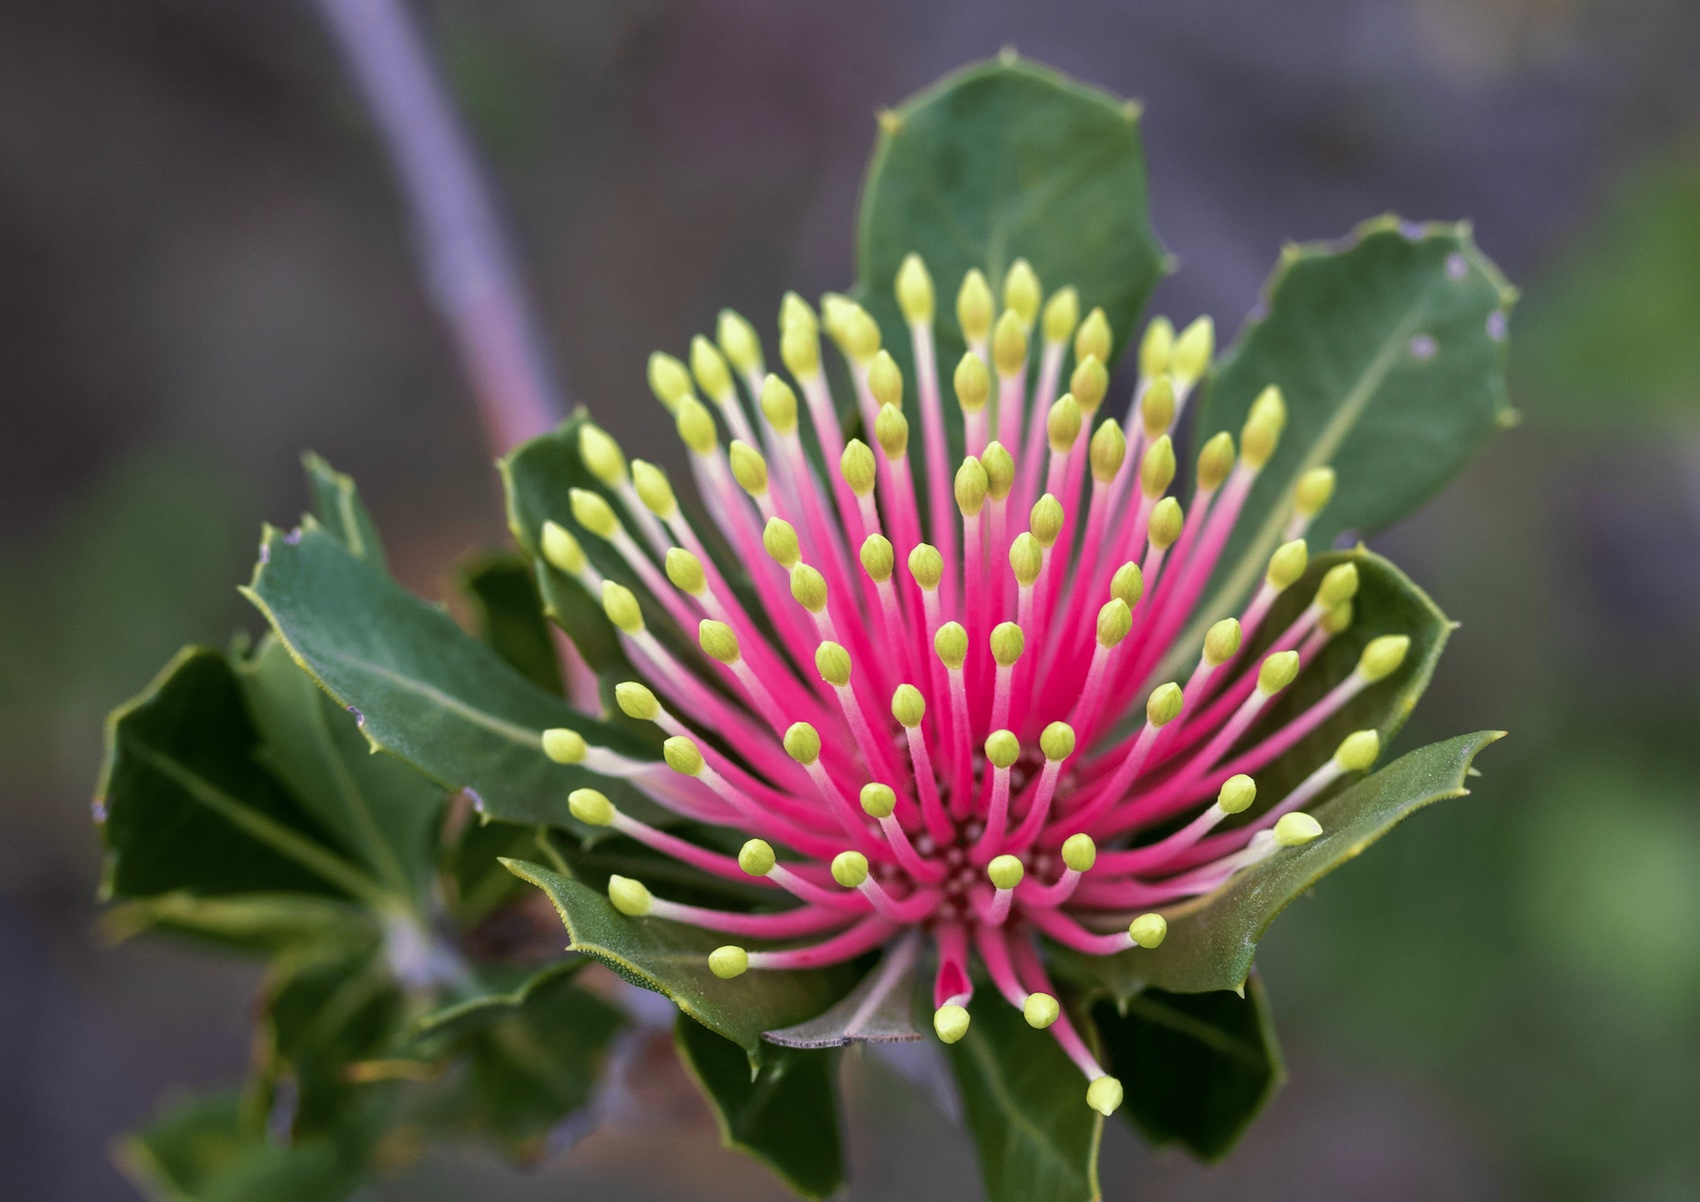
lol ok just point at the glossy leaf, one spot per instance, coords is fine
(340, 510)
(1212, 939)
(672, 959)
(510, 617)
(785, 1113)
(1197, 1067)
(1025, 1101)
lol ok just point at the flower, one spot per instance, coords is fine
(951, 718)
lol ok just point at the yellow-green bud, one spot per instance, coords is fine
(1382, 656)
(908, 706)
(696, 426)
(951, 645)
(1277, 672)
(1263, 426)
(795, 311)
(636, 701)
(926, 565)
(564, 746)
(1215, 461)
(1021, 291)
(601, 454)
(1222, 642)
(1357, 751)
(885, 380)
(668, 380)
(1062, 314)
(682, 755)
(1108, 450)
(972, 486)
(749, 468)
(779, 405)
(859, 335)
(1009, 345)
(950, 1023)
(718, 641)
(1191, 357)
(1007, 644)
(1057, 741)
(1313, 491)
(631, 898)
(561, 549)
(1238, 792)
(878, 801)
(708, 365)
(1040, 1010)
(849, 868)
(1128, 584)
(739, 341)
(808, 588)
(1079, 852)
(1062, 424)
(1005, 872)
(891, 428)
(833, 663)
(1089, 383)
(802, 743)
(1148, 930)
(728, 962)
(621, 606)
(1156, 347)
(973, 383)
(756, 857)
(1104, 1095)
(590, 807)
(1115, 620)
(1164, 704)
(1046, 520)
(1093, 338)
(1339, 583)
(835, 310)
(1296, 829)
(858, 467)
(779, 539)
(1157, 406)
(1026, 559)
(1287, 564)
(592, 511)
(1157, 470)
(1337, 620)
(799, 350)
(915, 290)
(1165, 525)
(1000, 470)
(654, 489)
(685, 571)
(974, 307)
(878, 558)
(1002, 750)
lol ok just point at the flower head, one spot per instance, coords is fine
(950, 716)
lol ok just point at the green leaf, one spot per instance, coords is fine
(672, 959)
(508, 989)
(1390, 351)
(1197, 1067)
(1212, 939)
(1004, 160)
(425, 689)
(879, 1010)
(785, 1113)
(1036, 1137)
(511, 619)
(341, 511)
(207, 1150)
(252, 922)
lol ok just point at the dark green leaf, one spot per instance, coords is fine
(672, 959)
(1212, 939)
(263, 922)
(511, 619)
(1025, 1100)
(879, 1010)
(506, 991)
(1197, 1067)
(341, 511)
(785, 1113)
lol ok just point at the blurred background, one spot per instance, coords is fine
(205, 269)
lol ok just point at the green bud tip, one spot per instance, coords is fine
(1337, 620)
(1021, 291)
(561, 549)
(891, 431)
(973, 383)
(1002, 748)
(1089, 383)
(1222, 642)
(1383, 656)
(1296, 829)
(654, 489)
(835, 310)
(1062, 314)
(832, 661)
(631, 898)
(885, 380)
(878, 801)
(1000, 470)
(1057, 742)
(621, 606)
(951, 645)
(739, 341)
(1262, 429)
(590, 807)
(594, 513)
(1357, 751)
(696, 426)
(1215, 461)
(859, 334)
(1009, 345)
(878, 558)
(795, 311)
(601, 454)
(1040, 1010)
(1339, 583)
(808, 588)
(685, 571)
(1092, 339)
(850, 868)
(1107, 451)
(756, 857)
(1157, 406)
(708, 365)
(972, 485)
(1026, 559)
(1104, 1095)
(1166, 523)
(718, 641)
(1155, 347)
(1190, 358)
(1005, 872)
(799, 350)
(1313, 491)
(668, 380)
(779, 537)
(802, 743)
(779, 403)
(974, 307)
(1287, 564)
(636, 701)
(1148, 930)
(1238, 792)
(926, 565)
(1164, 704)
(1062, 424)
(950, 1023)
(908, 706)
(1128, 584)
(915, 290)
(564, 746)
(858, 467)
(749, 468)
(728, 962)
(1278, 671)
(1079, 852)
(1046, 520)
(1157, 470)
(682, 755)
(1007, 644)
(1115, 620)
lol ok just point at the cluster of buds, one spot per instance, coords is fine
(946, 717)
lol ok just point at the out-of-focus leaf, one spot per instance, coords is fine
(879, 1010)
(1036, 1137)
(340, 510)
(1212, 939)
(785, 1113)
(1197, 1067)
(511, 619)
(507, 991)
(255, 922)
(672, 959)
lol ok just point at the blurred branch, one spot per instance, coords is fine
(463, 249)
